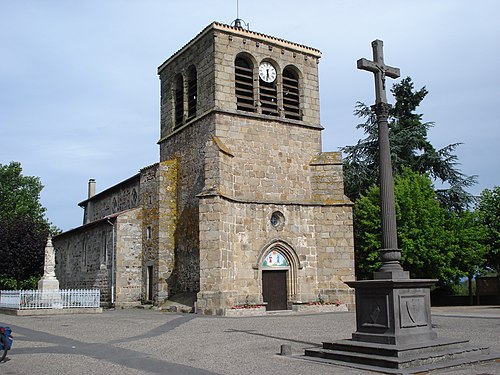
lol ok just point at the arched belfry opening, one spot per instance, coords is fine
(178, 96)
(244, 83)
(192, 93)
(278, 264)
(291, 93)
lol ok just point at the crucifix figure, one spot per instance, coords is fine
(379, 69)
(389, 254)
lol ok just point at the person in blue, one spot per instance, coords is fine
(5, 341)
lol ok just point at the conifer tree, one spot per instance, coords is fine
(410, 147)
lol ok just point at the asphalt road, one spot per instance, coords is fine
(151, 342)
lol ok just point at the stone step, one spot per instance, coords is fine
(400, 351)
(419, 369)
(395, 362)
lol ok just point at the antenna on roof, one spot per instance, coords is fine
(238, 22)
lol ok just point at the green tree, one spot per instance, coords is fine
(410, 148)
(468, 245)
(432, 240)
(23, 226)
(20, 195)
(22, 244)
(489, 214)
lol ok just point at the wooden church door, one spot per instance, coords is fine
(275, 268)
(274, 289)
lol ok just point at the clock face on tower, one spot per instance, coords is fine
(267, 72)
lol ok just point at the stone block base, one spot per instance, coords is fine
(306, 308)
(212, 303)
(27, 312)
(253, 311)
(346, 296)
(412, 358)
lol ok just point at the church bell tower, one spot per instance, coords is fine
(240, 117)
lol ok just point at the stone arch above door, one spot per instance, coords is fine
(292, 263)
(284, 248)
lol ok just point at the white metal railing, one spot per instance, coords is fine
(56, 299)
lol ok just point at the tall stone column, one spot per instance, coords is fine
(390, 254)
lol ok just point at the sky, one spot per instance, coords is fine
(79, 91)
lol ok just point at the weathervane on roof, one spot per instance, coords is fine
(238, 22)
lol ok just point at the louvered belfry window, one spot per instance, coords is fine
(244, 85)
(192, 92)
(269, 98)
(179, 100)
(291, 103)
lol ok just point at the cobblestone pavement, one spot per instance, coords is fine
(148, 342)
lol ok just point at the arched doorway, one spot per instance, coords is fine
(275, 268)
(278, 264)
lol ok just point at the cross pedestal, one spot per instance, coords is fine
(393, 312)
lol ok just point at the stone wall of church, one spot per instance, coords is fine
(200, 55)
(271, 160)
(121, 197)
(234, 237)
(327, 178)
(254, 167)
(187, 149)
(84, 258)
(128, 237)
(150, 230)
(159, 203)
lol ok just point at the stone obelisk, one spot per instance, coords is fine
(49, 282)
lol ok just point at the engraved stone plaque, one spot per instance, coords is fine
(412, 311)
(374, 312)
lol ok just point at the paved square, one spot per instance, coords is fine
(149, 342)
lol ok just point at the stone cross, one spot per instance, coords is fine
(389, 254)
(379, 69)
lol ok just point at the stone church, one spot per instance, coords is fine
(243, 206)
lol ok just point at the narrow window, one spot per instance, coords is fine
(179, 100)
(68, 258)
(192, 92)
(291, 103)
(104, 249)
(150, 283)
(84, 254)
(244, 85)
(148, 233)
(105, 239)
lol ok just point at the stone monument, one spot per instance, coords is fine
(393, 312)
(49, 282)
